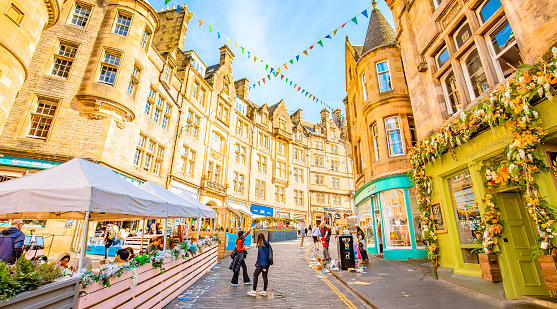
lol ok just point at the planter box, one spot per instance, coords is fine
(490, 267)
(61, 294)
(548, 266)
(153, 290)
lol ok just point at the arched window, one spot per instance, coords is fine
(216, 142)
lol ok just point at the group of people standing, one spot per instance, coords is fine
(263, 262)
(323, 234)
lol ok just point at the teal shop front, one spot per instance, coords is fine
(388, 209)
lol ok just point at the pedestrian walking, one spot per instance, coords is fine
(264, 260)
(315, 233)
(239, 260)
(11, 242)
(326, 236)
(301, 230)
(362, 245)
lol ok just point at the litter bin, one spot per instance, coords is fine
(346, 252)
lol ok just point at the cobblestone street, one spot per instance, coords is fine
(292, 284)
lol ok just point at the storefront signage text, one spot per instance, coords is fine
(261, 210)
(30, 163)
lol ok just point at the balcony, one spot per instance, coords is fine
(282, 133)
(213, 187)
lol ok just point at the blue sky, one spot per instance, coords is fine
(276, 31)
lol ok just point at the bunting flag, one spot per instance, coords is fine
(272, 70)
(228, 40)
(263, 80)
(364, 12)
(290, 83)
(281, 76)
(329, 36)
(355, 20)
(335, 32)
(297, 58)
(166, 2)
(242, 49)
(249, 55)
(291, 61)
(266, 66)
(210, 28)
(311, 47)
(343, 25)
(320, 43)
(200, 22)
(287, 81)
(278, 69)
(269, 76)
(305, 52)
(179, 8)
(254, 58)
(285, 66)
(218, 33)
(258, 83)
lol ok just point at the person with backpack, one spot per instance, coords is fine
(264, 260)
(238, 259)
(326, 236)
(11, 242)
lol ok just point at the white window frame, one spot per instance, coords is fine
(391, 154)
(364, 87)
(64, 57)
(447, 95)
(467, 76)
(375, 135)
(478, 10)
(438, 54)
(494, 56)
(74, 15)
(388, 71)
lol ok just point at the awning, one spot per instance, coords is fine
(239, 209)
(178, 208)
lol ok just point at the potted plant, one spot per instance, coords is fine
(489, 232)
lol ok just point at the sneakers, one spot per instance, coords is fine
(252, 293)
(263, 293)
(234, 284)
(248, 283)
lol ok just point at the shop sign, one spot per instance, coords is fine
(261, 210)
(387, 183)
(28, 163)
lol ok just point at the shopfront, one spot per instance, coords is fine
(388, 209)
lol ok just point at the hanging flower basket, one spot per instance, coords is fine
(490, 267)
(548, 265)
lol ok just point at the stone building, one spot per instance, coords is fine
(22, 22)
(111, 83)
(455, 53)
(381, 130)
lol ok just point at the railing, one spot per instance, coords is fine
(214, 186)
(279, 131)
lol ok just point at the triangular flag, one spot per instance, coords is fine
(364, 12)
(179, 8)
(307, 94)
(343, 25)
(335, 32)
(355, 20)
(166, 1)
(249, 88)
(276, 73)
(290, 83)
(263, 80)
(228, 40)
(266, 66)
(210, 28)
(242, 49)
(303, 90)
(249, 54)
(310, 96)
(297, 58)
(272, 70)
(269, 76)
(278, 69)
(218, 34)
(291, 61)
(254, 59)
(311, 47)
(305, 52)
(285, 66)
(236, 44)
(328, 36)
(320, 43)
(287, 80)
(281, 76)
(259, 83)
(253, 85)
(299, 88)
(200, 22)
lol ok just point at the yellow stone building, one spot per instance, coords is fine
(381, 130)
(111, 83)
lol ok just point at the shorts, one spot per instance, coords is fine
(315, 240)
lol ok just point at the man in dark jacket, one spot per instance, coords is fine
(11, 242)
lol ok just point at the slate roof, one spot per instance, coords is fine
(379, 32)
(358, 51)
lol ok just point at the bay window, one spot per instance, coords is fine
(394, 136)
(384, 76)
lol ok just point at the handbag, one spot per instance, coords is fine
(234, 253)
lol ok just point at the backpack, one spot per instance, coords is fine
(270, 255)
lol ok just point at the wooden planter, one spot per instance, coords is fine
(490, 267)
(62, 293)
(548, 266)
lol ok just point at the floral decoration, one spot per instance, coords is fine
(186, 249)
(508, 104)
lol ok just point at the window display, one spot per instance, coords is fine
(467, 213)
(395, 218)
(416, 217)
(366, 221)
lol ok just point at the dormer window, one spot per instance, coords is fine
(199, 67)
(282, 123)
(226, 86)
(167, 73)
(264, 118)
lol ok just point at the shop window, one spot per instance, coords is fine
(375, 133)
(134, 80)
(394, 136)
(504, 49)
(462, 35)
(467, 213)
(416, 218)
(42, 118)
(364, 87)
(442, 57)
(476, 78)
(122, 26)
(395, 218)
(145, 37)
(487, 9)
(109, 68)
(188, 160)
(450, 90)
(384, 76)
(63, 60)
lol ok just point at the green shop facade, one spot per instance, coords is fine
(388, 209)
(458, 179)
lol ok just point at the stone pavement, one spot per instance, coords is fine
(292, 284)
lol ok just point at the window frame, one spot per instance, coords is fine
(477, 12)
(467, 76)
(364, 86)
(375, 137)
(73, 14)
(62, 57)
(494, 56)
(111, 66)
(465, 23)
(188, 161)
(387, 130)
(116, 25)
(260, 189)
(447, 95)
(134, 80)
(48, 117)
(145, 39)
(388, 71)
(16, 9)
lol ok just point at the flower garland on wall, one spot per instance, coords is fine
(507, 105)
(186, 249)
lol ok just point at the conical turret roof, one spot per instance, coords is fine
(379, 32)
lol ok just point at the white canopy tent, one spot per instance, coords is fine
(79, 189)
(205, 212)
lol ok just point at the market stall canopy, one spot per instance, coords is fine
(205, 212)
(240, 209)
(178, 208)
(69, 190)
